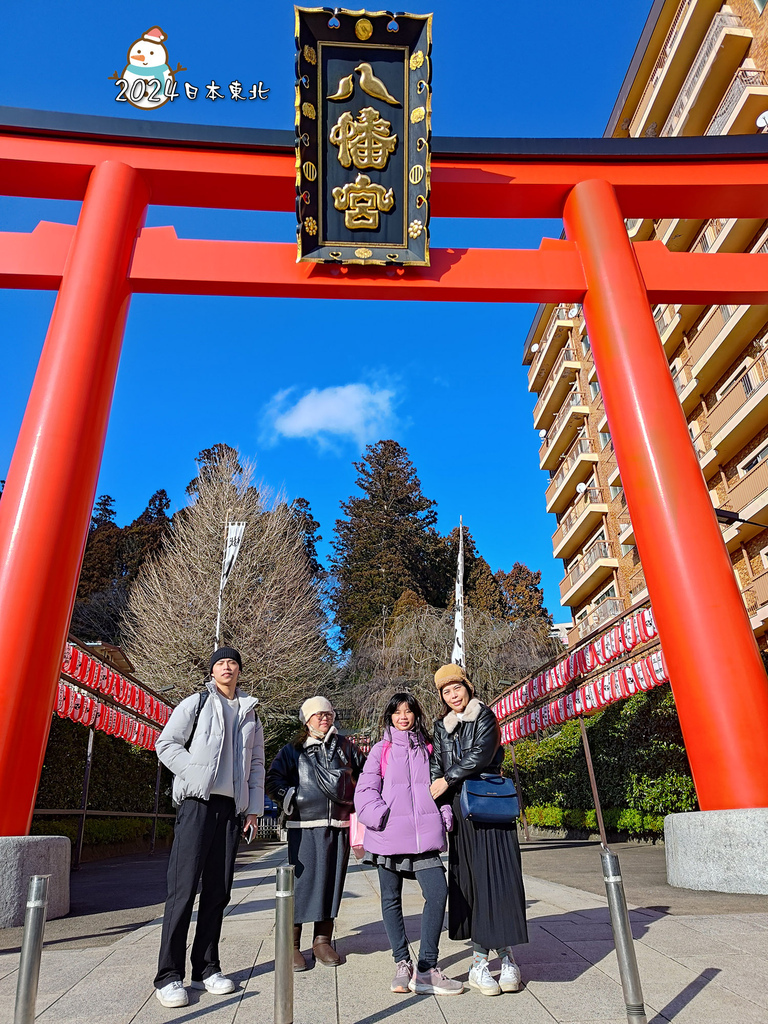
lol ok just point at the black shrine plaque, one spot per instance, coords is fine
(363, 112)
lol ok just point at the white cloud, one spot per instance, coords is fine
(351, 411)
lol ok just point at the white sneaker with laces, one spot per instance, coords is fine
(173, 994)
(509, 979)
(481, 978)
(218, 984)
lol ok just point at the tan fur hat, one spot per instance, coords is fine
(452, 674)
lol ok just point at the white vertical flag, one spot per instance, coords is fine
(235, 533)
(457, 657)
(234, 539)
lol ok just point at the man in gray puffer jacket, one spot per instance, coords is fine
(214, 745)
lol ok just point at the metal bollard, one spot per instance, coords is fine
(31, 950)
(284, 945)
(622, 938)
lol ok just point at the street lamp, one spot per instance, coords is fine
(729, 518)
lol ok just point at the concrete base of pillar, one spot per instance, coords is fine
(720, 851)
(24, 856)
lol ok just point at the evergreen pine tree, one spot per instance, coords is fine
(386, 543)
(522, 593)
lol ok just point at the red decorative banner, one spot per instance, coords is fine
(621, 639)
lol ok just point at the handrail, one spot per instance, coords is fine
(753, 379)
(581, 446)
(742, 80)
(567, 354)
(658, 67)
(597, 550)
(574, 398)
(746, 488)
(558, 313)
(720, 21)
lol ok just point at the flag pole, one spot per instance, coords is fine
(221, 581)
(457, 657)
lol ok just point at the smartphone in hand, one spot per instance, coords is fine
(249, 833)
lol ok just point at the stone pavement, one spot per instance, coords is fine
(695, 967)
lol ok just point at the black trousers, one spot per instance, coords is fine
(204, 848)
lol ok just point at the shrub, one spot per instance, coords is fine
(640, 764)
(101, 831)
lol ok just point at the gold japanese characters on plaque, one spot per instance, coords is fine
(363, 104)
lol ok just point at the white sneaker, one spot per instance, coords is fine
(173, 994)
(218, 984)
(481, 978)
(509, 979)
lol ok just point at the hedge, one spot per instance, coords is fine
(122, 776)
(640, 765)
(101, 831)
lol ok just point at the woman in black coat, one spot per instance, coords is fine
(298, 780)
(486, 898)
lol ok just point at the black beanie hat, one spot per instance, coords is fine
(225, 652)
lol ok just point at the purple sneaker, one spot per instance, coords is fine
(403, 975)
(434, 983)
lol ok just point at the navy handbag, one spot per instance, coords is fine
(489, 800)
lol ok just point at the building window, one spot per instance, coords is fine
(585, 339)
(608, 592)
(733, 379)
(626, 549)
(605, 437)
(616, 490)
(760, 5)
(754, 459)
(594, 389)
(764, 557)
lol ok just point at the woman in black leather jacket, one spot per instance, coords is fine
(486, 898)
(317, 826)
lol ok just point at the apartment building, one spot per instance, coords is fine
(699, 69)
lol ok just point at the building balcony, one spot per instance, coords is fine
(688, 28)
(581, 521)
(639, 230)
(677, 234)
(724, 48)
(747, 496)
(563, 431)
(638, 588)
(724, 333)
(577, 464)
(738, 416)
(558, 384)
(755, 596)
(554, 337)
(593, 568)
(608, 609)
(746, 98)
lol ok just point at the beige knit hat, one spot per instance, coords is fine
(312, 705)
(452, 674)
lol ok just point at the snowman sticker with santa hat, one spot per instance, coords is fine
(147, 81)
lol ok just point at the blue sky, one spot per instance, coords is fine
(278, 378)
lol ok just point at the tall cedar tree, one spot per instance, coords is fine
(113, 557)
(386, 544)
(522, 593)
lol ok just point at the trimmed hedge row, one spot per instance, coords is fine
(616, 819)
(101, 831)
(640, 765)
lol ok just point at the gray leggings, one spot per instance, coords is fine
(434, 889)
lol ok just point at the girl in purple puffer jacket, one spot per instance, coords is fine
(404, 836)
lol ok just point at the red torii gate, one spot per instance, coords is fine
(592, 184)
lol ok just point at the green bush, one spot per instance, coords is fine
(101, 831)
(640, 764)
(122, 776)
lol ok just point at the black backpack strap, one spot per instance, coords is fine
(200, 704)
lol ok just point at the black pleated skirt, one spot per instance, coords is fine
(486, 897)
(320, 856)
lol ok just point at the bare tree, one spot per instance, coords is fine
(405, 652)
(272, 608)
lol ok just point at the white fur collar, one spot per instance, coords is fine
(469, 714)
(312, 740)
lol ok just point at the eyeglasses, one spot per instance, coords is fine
(324, 714)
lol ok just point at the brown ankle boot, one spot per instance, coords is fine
(321, 945)
(299, 963)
